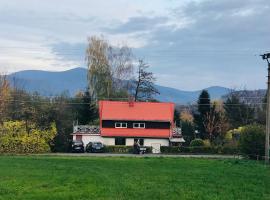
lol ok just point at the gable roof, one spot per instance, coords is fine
(144, 111)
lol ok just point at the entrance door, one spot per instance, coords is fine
(79, 137)
(155, 147)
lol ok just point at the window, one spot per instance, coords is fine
(120, 141)
(120, 125)
(138, 125)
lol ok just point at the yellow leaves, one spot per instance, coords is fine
(186, 116)
(4, 96)
(14, 138)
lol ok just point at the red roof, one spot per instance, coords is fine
(145, 111)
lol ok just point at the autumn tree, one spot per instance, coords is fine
(144, 84)
(108, 66)
(187, 125)
(214, 121)
(4, 97)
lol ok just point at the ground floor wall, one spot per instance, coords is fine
(155, 143)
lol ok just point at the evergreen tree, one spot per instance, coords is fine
(176, 118)
(85, 108)
(237, 112)
(204, 107)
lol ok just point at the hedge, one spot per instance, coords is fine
(203, 150)
(123, 149)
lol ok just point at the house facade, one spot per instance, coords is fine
(121, 123)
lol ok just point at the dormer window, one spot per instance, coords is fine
(138, 125)
(120, 125)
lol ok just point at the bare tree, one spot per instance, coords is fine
(144, 85)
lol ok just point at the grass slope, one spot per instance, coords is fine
(44, 177)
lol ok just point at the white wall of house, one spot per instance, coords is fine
(151, 142)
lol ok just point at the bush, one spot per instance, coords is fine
(200, 150)
(197, 143)
(15, 138)
(165, 149)
(252, 141)
(123, 149)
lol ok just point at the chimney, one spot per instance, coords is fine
(131, 101)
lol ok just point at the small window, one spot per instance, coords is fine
(120, 125)
(138, 125)
(120, 141)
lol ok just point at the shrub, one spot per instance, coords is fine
(165, 149)
(15, 138)
(197, 143)
(200, 150)
(252, 141)
(123, 149)
(206, 143)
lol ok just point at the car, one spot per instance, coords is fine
(95, 147)
(77, 146)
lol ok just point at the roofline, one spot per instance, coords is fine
(137, 102)
(152, 120)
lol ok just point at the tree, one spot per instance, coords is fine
(107, 67)
(176, 118)
(84, 108)
(144, 85)
(238, 112)
(252, 141)
(204, 107)
(187, 126)
(4, 97)
(215, 121)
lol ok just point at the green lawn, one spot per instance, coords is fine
(45, 177)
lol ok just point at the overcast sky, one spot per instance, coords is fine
(189, 44)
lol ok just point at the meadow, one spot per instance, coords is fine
(67, 178)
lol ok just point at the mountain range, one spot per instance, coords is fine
(71, 81)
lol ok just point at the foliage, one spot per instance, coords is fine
(204, 106)
(84, 108)
(238, 112)
(4, 96)
(252, 141)
(123, 149)
(197, 143)
(206, 143)
(188, 131)
(144, 84)
(107, 66)
(215, 122)
(176, 118)
(200, 150)
(15, 138)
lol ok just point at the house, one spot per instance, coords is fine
(121, 123)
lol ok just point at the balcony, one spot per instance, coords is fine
(85, 129)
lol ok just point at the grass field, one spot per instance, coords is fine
(45, 177)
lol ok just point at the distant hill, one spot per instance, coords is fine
(74, 80)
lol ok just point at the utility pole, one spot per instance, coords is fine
(267, 58)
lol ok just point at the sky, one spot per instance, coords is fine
(189, 44)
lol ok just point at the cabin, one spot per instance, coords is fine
(121, 123)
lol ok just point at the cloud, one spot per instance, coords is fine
(189, 44)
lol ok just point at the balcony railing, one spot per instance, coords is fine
(85, 129)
